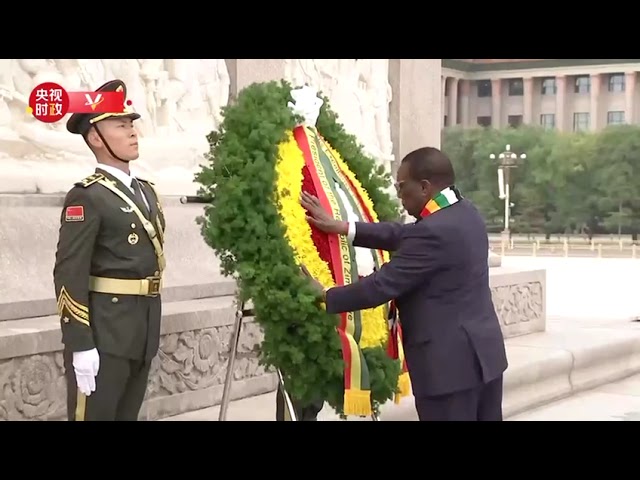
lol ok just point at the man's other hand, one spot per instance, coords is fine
(315, 284)
(318, 217)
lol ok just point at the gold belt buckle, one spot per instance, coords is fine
(154, 286)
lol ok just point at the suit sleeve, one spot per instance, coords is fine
(418, 257)
(79, 226)
(378, 236)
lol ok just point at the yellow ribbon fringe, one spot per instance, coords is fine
(404, 387)
(357, 402)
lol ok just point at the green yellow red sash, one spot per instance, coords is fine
(357, 395)
(443, 199)
(395, 349)
(354, 195)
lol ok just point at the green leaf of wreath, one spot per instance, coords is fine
(243, 226)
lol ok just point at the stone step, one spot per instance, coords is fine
(30, 336)
(29, 309)
(567, 359)
(616, 401)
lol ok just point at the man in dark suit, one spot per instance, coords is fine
(108, 273)
(439, 279)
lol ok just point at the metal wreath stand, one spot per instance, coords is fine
(241, 313)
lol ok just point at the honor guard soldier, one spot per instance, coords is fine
(108, 273)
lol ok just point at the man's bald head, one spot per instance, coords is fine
(430, 164)
(422, 174)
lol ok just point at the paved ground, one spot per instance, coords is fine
(618, 401)
(262, 408)
(583, 288)
(575, 253)
(613, 402)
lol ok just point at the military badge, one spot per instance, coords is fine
(74, 213)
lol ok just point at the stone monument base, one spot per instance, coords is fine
(189, 371)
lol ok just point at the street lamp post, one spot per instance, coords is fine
(508, 160)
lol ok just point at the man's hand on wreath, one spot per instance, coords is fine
(316, 286)
(320, 218)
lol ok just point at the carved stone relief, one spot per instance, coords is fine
(34, 388)
(520, 303)
(196, 360)
(360, 94)
(179, 101)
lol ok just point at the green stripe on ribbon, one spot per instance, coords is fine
(334, 178)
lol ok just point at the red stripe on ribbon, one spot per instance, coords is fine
(319, 238)
(334, 242)
(301, 138)
(346, 355)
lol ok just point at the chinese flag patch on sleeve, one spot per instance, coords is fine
(74, 213)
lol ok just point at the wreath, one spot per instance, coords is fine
(260, 160)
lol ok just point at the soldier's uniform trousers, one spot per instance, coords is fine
(121, 384)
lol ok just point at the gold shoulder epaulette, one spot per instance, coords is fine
(90, 180)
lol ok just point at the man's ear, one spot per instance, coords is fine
(93, 139)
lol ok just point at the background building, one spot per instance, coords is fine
(567, 94)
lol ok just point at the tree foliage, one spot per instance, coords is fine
(569, 183)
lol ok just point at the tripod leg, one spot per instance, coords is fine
(289, 411)
(233, 348)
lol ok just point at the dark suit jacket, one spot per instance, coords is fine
(439, 277)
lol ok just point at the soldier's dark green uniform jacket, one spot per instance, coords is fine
(107, 275)
(102, 238)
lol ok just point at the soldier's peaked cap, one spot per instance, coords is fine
(80, 123)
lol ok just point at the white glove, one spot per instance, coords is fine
(86, 365)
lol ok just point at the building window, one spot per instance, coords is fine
(484, 121)
(484, 88)
(615, 118)
(583, 84)
(515, 87)
(549, 86)
(548, 120)
(581, 122)
(616, 82)
(514, 120)
(445, 120)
